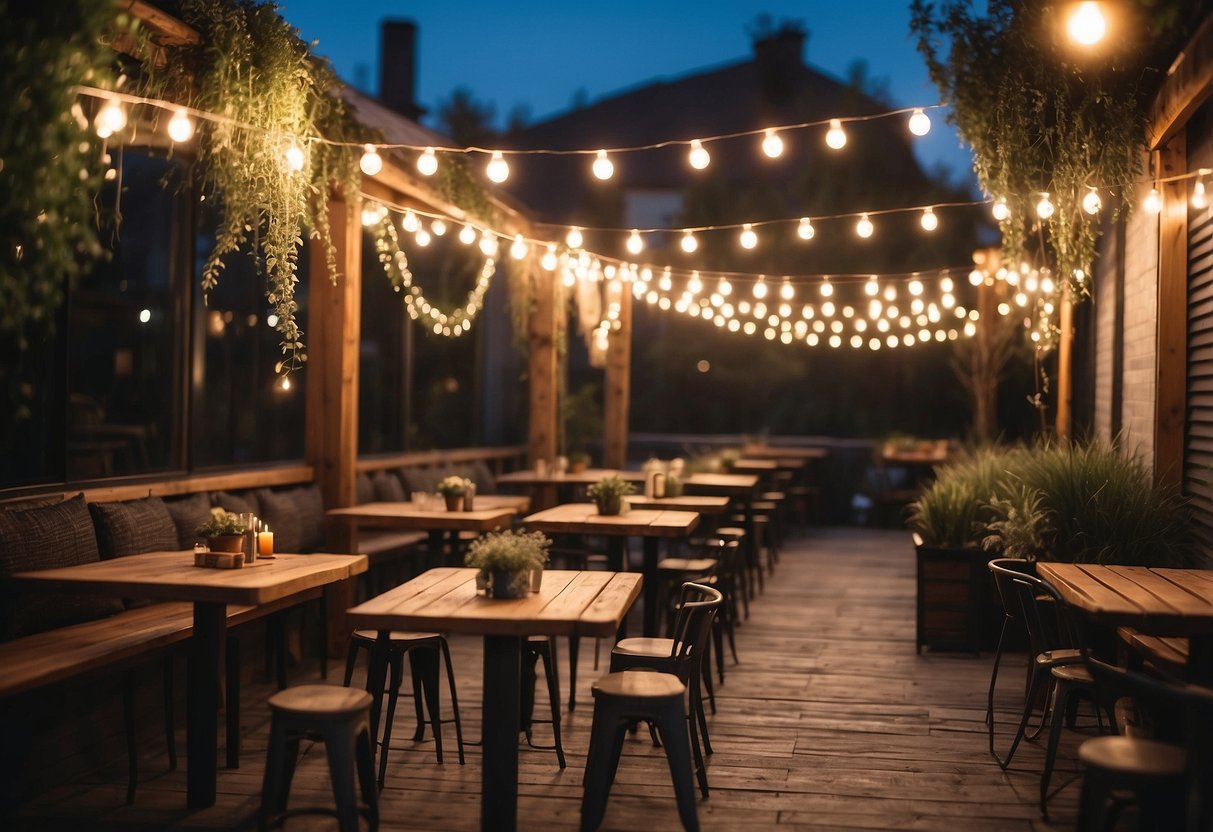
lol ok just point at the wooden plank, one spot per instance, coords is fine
(702, 504)
(1189, 81)
(1076, 584)
(1166, 591)
(408, 516)
(618, 382)
(583, 518)
(602, 617)
(543, 328)
(1170, 400)
(253, 478)
(441, 458)
(528, 476)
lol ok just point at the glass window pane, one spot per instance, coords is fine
(383, 385)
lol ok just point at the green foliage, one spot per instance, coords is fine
(50, 165)
(252, 68)
(509, 551)
(1020, 526)
(610, 488)
(221, 523)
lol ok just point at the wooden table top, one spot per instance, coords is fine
(172, 576)
(445, 600)
(1155, 600)
(587, 477)
(776, 452)
(702, 504)
(583, 518)
(755, 466)
(730, 485)
(409, 516)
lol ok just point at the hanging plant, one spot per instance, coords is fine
(252, 69)
(50, 159)
(1043, 117)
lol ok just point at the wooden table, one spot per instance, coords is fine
(569, 603)
(652, 526)
(491, 512)
(700, 504)
(778, 452)
(172, 576)
(1160, 602)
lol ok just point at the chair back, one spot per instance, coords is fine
(1037, 604)
(728, 561)
(697, 607)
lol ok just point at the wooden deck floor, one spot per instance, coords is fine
(830, 722)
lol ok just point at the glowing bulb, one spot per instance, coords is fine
(920, 123)
(787, 291)
(427, 162)
(603, 167)
(772, 145)
(549, 258)
(976, 278)
(1087, 25)
(410, 223)
(946, 284)
(748, 238)
(635, 243)
(369, 216)
(488, 244)
(826, 288)
(519, 248)
(180, 127)
(928, 220)
(110, 119)
(438, 227)
(467, 235)
(423, 237)
(1001, 210)
(760, 289)
(1045, 208)
(1153, 202)
(836, 137)
(915, 287)
(872, 288)
(498, 169)
(805, 230)
(694, 285)
(864, 227)
(688, 242)
(1199, 199)
(1091, 203)
(294, 158)
(724, 287)
(574, 238)
(698, 156)
(371, 162)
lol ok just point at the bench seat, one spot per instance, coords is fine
(1169, 655)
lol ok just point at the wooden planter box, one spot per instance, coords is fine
(954, 598)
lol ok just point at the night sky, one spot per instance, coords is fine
(540, 54)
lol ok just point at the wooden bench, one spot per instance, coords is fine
(1167, 655)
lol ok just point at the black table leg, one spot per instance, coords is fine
(433, 549)
(202, 704)
(499, 727)
(650, 586)
(617, 550)
(376, 679)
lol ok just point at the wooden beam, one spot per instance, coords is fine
(1189, 82)
(542, 337)
(1065, 371)
(1171, 396)
(618, 380)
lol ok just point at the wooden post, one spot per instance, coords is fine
(618, 380)
(542, 431)
(1065, 349)
(1172, 333)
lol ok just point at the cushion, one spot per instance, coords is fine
(387, 487)
(364, 489)
(295, 516)
(188, 514)
(482, 475)
(133, 526)
(32, 502)
(422, 479)
(47, 538)
(245, 503)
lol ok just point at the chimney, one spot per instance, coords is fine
(398, 68)
(779, 54)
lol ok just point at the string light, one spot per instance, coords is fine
(549, 259)
(422, 237)
(410, 223)
(772, 145)
(1087, 25)
(467, 234)
(574, 238)
(371, 162)
(864, 227)
(827, 289)
(688, 242)
(603, 168)
(498, 169)
(836, 137)
(111, 118)
(1045, 207)
(1200, 200)
(294, 158)
(1153, 202)
(920, 123)
(180, 127)
(438, 227)
(698, 157)
(519, 248)
(872, 287)
(635, 243)
(488, 244)
(1091, 203)
(427, 162)
(760, 288)
(805, 229)
(1000, 209)
(786, 290)
(748, 237)
(928, 220)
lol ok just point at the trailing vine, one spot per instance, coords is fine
(50, 159)
(252, 68)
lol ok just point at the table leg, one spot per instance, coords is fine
(617, 550)
(1200, 659)
(376, 676)
(651, 590)
(202, 704)
(433, 549)
(499, 727)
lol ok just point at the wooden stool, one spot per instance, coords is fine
(619, 700)
(1152, 770)
(341, 717)
(534, 649)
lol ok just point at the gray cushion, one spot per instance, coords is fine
(132, 527)
(188, 514)
(364, 489)
(387, 487)
(244, 503)
(423, 479)
(32, 502)
(295, 516)
(46, 538)
(482, 475)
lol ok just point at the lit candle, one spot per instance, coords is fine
(265, 543)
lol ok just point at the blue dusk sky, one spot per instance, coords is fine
(538, 55)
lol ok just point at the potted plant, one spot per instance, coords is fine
(452, 489)
(224, 532)
(609, 492)
(507, 561)
(578, 461)
(728, 458)
(673, 485)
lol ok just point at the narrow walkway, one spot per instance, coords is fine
(830, 722)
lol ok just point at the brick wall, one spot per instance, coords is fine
(1106, 299)
(1140, 333)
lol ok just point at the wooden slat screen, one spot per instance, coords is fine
(1198, 431)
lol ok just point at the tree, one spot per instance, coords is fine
(467, 121)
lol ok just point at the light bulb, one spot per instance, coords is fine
(371, 162)
(864, 227)
(438, 228)
(1087, 25)
(427, 162)
(1091, 203)
(467, 235)
(1045, 208)
(836, 137)
(180, 127)
(498, 170)
(635, 243)
(410, 223)
(946, 284)
(519, 248)
(872, 288)
(369, 215)
(694, 285)
(760, 289)
(603, 167)
(294, 158)
(928, 220)
(772, 145)
(915, 287)
(548, 261)
(748, 238)
(698, 157)
(724, 288)
(110, 119)
(787, 291)
(920, 123)
(488, 244)
(1001, 210)
(1199, 199)
(805, 230)
(574, 238)
(423, 237)
(826, 288)
(1153, 202)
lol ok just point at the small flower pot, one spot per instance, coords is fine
(510, 584)
(454, 502)
(578, 466)
(226, 543)
(609, 506)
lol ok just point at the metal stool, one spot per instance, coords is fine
(533, 649)
(341, 717)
